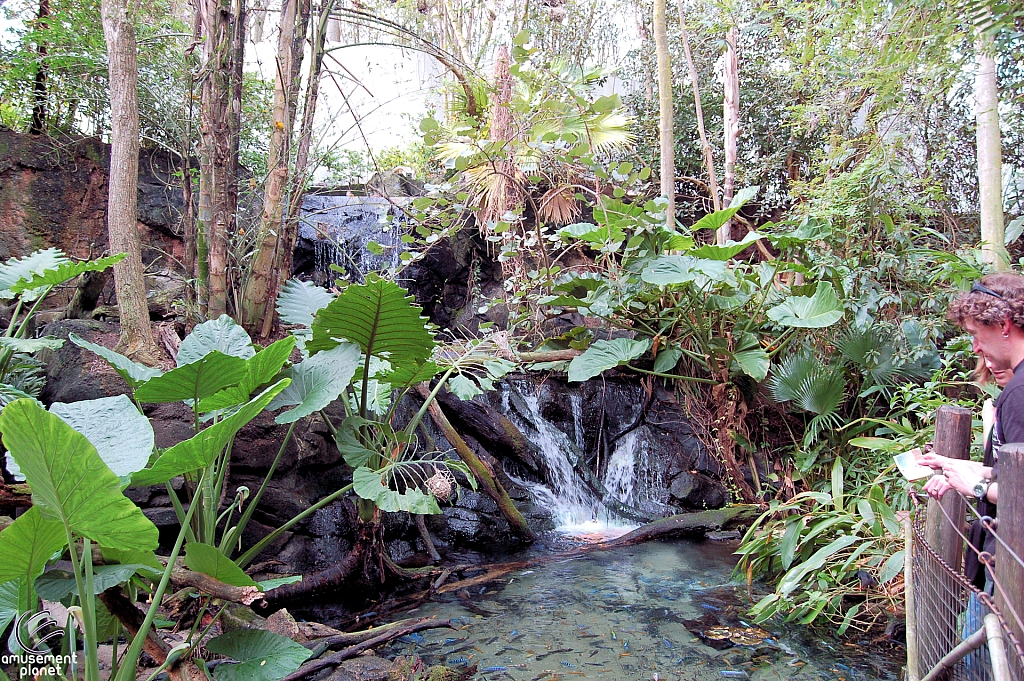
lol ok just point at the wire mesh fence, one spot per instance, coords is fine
(948, 608)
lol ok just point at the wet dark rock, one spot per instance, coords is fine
(74, 374)
(362, 668)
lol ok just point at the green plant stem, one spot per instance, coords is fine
(247, 557)
(92, 669)
(691, 379)
(131, 658)
(5, 357)
(179, 511)
(415, 422)
(232, 536)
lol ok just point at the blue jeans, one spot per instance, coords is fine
(976, 663)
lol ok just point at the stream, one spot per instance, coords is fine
(620, 614)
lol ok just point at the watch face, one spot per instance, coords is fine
(980, 489)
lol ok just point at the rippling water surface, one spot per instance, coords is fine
(634, 613)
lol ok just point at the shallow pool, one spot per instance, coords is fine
(654, 611)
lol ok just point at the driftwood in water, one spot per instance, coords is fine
(549, 356)
(485, 477)
(354, 637)
(337, 658)
(689, 525)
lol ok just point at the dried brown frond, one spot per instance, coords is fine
(559, 205)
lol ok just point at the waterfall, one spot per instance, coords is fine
(575, 507)
(341, 228)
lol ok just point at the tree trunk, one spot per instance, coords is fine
(219, 147)
(258, 290)
(990, 165)
(732, 127)
(705, 145)
(668, 160)
(118, 18)
(38, 125)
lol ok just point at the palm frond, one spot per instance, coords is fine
(808, 383)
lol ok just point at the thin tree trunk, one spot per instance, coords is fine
(668, 161)
(219, 51)
(38, 125)
(708, 152)
(118, 18)
(990, 172)
(257, 294)
(732, 127)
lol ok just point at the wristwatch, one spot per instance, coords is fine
(981, 488)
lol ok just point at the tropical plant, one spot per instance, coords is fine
(24, 285)
(839, 557)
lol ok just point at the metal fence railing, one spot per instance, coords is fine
(954, 630)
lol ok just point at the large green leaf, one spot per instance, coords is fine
(317, 382)
(133, 373)
(299, 301)
(8, 602)
(200, 450)
(260, 369)
(69, 480)
(411, 374)
(53, 585)
(728, 250)
(380, 317)
(668, 270)
(30, 345)
(667, 359)
(202, 378)
(719, 218)
(605, 354)
(210, 561)
(261, 655)
(25, 546)
(221, 334)
(353, 451)
(814, 312)
(807, 382)
(753, 363)
(121, 435)
(371, 485)
(64, 272)
(16, 269)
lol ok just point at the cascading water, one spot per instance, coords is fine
(574, 505)
(341, 229)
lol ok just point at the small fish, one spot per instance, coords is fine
(513, 632)
(482, 589)
(452, 640)
(625, 644)
(516, 638)
(554, 652)
(570, 665)
(461, 661)
(492, 640)
(708, 606)
(592, 653)
(412, 638)
(668, 644)
(731, 674)
(614, 637)
(495, 668)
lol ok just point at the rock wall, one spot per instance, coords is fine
(53, 192)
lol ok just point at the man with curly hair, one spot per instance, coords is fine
(993, 313)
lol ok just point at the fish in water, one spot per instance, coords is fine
(732, 674)
(708, 606)
(412, 638)
(461, 661)
(553, 652)
(625, 644)
(513, 632)
(570, 665)
(668, 644)
(495, 668)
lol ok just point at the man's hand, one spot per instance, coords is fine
(936, 486)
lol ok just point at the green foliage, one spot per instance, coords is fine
(133, 373)
(604, 355)
(260, 655)
(26, 545)
(317, 382)
(122, 436)
(209, 560)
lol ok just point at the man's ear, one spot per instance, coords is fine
(1006, 326)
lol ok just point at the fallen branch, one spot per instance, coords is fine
(246, 595)
(342, 655)
(486, 479)
(355, 637)
(549, 356)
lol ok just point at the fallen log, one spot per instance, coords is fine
(549, 356)
(499, 435)
(486, 479)
(354, 637)
(689, 525)
(342, 655)
(246, 595)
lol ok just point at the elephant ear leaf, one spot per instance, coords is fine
(25, 546)
(260, 369)
(221, 334)
(299, 301)
(69, 481)
(209, 560)
(380, 317)
(260, 655)
(133, 373)
(814, 312)
(606, 354)
(123, 437)
(317, 382)
(206, 376)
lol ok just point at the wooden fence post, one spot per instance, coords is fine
(952, 439)
(1009, 571)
